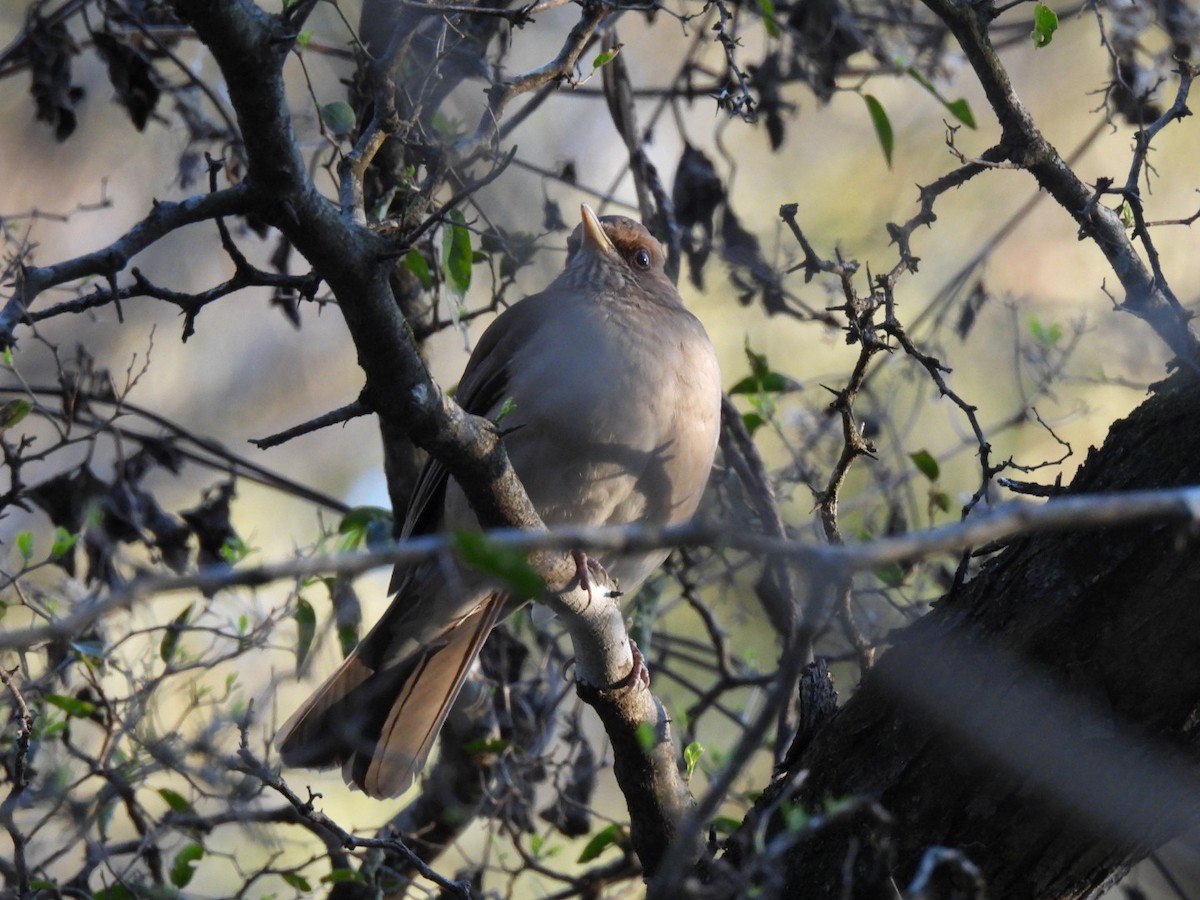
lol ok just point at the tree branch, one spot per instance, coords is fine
(1046, 710)
(998, 523)
(1145, 296)
(106, 262)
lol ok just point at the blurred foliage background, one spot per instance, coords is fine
(1044, 333)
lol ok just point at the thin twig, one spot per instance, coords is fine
(1004, 520)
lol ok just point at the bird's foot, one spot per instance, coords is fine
(587, 569)
(638, 674)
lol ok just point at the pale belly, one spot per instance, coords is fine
(587, 455)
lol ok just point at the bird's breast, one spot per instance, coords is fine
(618, 421)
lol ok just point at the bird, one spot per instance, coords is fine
(608, 395)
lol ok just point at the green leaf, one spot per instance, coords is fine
(176, 802)
(13, 412)
(760, 369)
(184, 865)
(725, 824)
(303, 39)
(338, 876)
(8, 356)
(691, 755)
(24, 542)
(537, 844)
(611, 836)
(647, 736)
(795, 816)
(883, 126)
(834, 805)
(767, 8)
(234, 550)
(892, 574)
(506, 409)
(1126, 214)
(415, 262)
(170, 639)
(306, 629)
(1045, 23)
(446, 127)
(456, 252)
(371, 525)
(748, 385)
(338, 117)
(603, 59)
(347, 639)
(296, 880)
(753, 421)
(1047, 336)
(49, 731)
(762, 379)
(960, 109)
(113, 892)
(504, 563)
(489, 745)
(72, 706)
(927, 465)
(941, 500)
(64, 542)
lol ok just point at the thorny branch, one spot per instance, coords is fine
(165, 218)
(247, 762)
(195, 448)
(558, 69)
(1131, 190)
(871, 321)
(1146, 296)
(998, 523)
(20, 780)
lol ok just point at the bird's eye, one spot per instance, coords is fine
(641, 259)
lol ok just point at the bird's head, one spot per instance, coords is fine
(616, 254)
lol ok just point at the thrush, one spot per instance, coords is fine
(612, 397)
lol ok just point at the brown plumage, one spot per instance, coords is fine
(615, 408)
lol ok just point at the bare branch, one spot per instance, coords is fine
(558, 69)
(1023, 143)
(1003, 521)
(163, 219)
(334, 417)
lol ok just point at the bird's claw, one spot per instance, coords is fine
(584, 565)
(639, 673)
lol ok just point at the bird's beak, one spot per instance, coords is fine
(593, 232)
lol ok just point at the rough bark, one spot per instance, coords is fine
(1044, 719)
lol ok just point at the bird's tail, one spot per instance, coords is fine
(378, 714)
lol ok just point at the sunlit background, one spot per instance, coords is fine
(247, 373)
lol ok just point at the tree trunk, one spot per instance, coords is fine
(1042, 719)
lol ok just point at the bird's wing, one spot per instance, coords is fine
(380, 712)
(424, 688)
(481, 391)
(420, 704)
